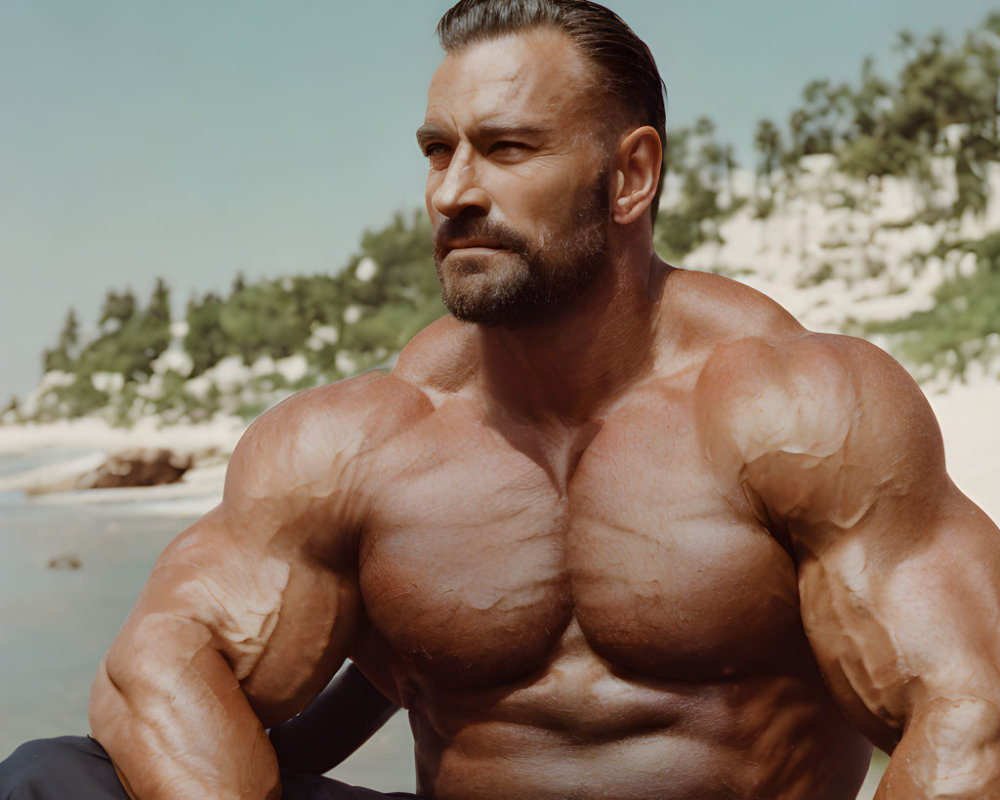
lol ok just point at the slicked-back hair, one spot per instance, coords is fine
(625, 68)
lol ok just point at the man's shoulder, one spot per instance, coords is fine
(818, 428)
(315, 432)
(352, 409)
(767, 384)
(356, 415)
(794, 393)
(737, 333)
(710, 310)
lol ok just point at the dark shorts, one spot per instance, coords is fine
(77, 768)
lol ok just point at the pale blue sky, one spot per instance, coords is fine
(193, 139)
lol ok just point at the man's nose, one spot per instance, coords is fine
(461, 187)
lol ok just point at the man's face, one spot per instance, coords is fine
(517, 190)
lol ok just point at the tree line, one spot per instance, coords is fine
(340, 323)
(874, 127)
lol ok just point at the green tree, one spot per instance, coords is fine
(676, 151)
(868, 105)
(960, 326)
(767, 142)
(205, 340)
(63, 356)
(117, 307)
(974, 153)
(151, 328)
(69, 337)
(158, 310)
(132, 343)
(265, 319)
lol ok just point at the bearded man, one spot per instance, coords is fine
(610, 530)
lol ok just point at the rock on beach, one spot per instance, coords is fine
(138, 466)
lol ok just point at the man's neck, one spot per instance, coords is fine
(567, 369)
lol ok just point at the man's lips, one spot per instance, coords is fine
(473, 244)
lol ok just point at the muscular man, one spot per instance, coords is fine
(611, 530)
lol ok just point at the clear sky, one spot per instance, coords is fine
(194, 139)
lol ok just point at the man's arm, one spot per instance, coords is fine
(245, 616)
(899, 573)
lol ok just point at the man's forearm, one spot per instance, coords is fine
(176, 723)
(335, 724)
(950, 749)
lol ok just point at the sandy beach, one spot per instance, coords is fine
(969, 415)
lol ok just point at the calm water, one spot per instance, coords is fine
(56, 624)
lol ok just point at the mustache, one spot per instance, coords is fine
(470, 226)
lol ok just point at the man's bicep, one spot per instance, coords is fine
(899, 572)
(848, 462)
(246, 615)
(902, 613)
(287, 580)
(281, 621)
(246, 582)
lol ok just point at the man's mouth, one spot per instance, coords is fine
(474, 244)
(472, 239)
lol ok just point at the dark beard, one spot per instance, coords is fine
(521, 285)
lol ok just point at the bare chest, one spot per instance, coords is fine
(476, 557)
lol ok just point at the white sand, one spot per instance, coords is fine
(89, 433)
(970, 421)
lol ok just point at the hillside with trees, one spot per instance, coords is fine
(241, 352)
(873, 210)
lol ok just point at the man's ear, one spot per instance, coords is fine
(638, 174)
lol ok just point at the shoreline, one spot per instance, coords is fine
(92, 433)
(88, 442)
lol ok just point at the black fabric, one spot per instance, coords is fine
(77, 768)
(59, 769)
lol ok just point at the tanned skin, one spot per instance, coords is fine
(662, 542)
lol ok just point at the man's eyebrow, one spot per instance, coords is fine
(428, 132)
(499, 129)
(488, 129)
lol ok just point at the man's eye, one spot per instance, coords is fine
(438, 155)
(506, 146)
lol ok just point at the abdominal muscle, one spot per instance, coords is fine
(582, 729)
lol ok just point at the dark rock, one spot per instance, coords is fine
(141, 466)
(64, 562)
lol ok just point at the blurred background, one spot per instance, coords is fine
(207, 206)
